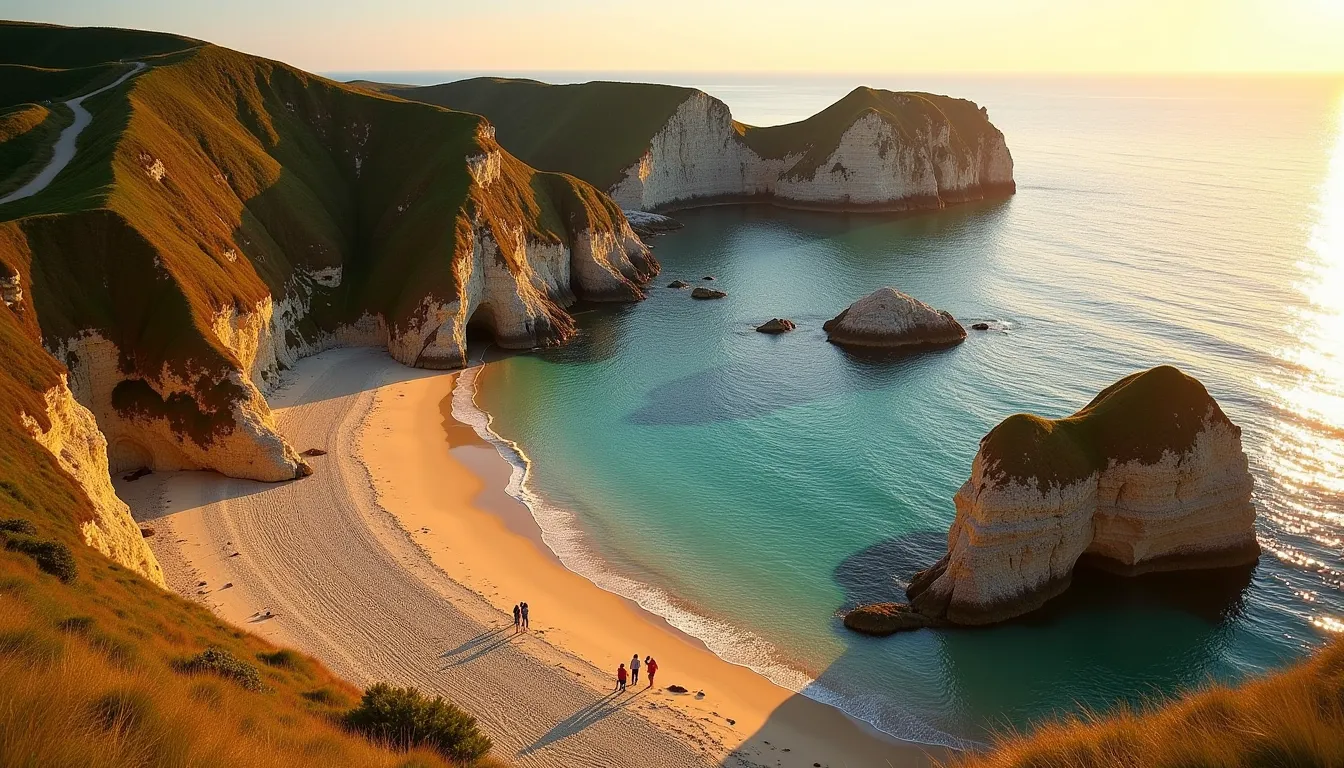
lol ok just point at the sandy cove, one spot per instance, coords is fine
(400, 558)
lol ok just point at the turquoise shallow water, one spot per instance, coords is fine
(751, 487)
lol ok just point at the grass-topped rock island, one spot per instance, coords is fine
(1149, 476)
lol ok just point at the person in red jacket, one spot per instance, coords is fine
(621, 675)
(650, 669)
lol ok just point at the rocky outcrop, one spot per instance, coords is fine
(646, 224)
(890, 320)
(675, 147)
(776, 325)
(81, 451)
(702, 292)
(1149, 476)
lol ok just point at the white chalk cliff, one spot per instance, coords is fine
(702, 155)
(1150, 476)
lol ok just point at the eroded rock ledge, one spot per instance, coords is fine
(1149, 476)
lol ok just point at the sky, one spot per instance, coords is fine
(1054, 36)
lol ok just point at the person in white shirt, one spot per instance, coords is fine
(634, 669)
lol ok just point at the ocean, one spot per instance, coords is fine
(750, 488)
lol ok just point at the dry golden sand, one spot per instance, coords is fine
(400, 559)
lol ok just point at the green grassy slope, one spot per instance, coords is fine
(592, 130)
(27, 134)
(56, 47)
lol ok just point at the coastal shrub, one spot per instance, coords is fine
(51, 556)
(405, 719)
(18, 525)
(217, 661)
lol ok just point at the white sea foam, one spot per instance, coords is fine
(561, 532)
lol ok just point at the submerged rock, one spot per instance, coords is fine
(702, 292)
(883, 619)
(980, 326)
(1149, 476)
(678, 284)
(889, 319)
(777, 325)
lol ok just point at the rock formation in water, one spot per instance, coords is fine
(673, 147)
(776, 325)
(890, 320)
(1149, 476)
(246, 214)
(701, 292)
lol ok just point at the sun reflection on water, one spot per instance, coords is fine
(1306, 453)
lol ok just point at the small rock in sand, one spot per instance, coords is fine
(302, 471)
(137, 474)
(676, 689)
(314, 452)
(235, 554)
(146, 531)
(201, 584)
(227, 585)
(699, 694)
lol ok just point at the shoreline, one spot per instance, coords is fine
(562, 538)
(485, 548)
(398, 549)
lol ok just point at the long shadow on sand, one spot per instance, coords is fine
(589, 715)
(478, 646)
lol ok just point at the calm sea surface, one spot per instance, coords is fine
(750, 487)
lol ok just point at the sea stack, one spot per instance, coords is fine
(1149, 476)
(889, 319)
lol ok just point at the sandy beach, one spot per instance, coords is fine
(400, 557)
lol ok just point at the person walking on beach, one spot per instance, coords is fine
(621, 674)
(517, 618)
(526, 626)
(652, 667)
(634, 669)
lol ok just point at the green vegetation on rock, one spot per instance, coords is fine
(1141, 416)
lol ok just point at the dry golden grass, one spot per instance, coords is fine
(1291, 719)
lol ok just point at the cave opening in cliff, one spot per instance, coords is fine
(481, 327)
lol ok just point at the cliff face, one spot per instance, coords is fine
(72, 436)
(1150, 476)
(227, 215)
(872, 149)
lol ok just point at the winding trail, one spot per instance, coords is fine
(64, 151)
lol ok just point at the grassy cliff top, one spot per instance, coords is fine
(1140, 417)
(908, 112)
(591, 130)
(56, 47)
